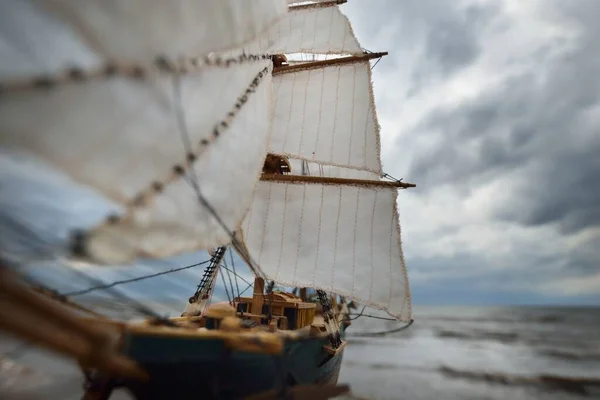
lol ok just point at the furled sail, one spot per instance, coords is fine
(327, 115)
(145, 135)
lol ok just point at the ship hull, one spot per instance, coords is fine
(185, 368)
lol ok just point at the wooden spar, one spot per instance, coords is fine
(333, 181)
(320, 4)
(38, 319)
(327, 63)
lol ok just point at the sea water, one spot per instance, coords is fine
(448, 353)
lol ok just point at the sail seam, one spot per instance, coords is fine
(337, 95)
(318, 235)
(372, 140)
(354, 244)
(303, 118)
(352, 115)
(300, 231)
(282, 232)
(337, 226)
(320, 114)
(372, 234)
(262, 242)
(289, 120)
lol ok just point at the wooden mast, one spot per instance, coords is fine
(285, 69)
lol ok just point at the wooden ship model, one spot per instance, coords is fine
(262, 138)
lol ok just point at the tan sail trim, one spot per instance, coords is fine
(161, 65)
(286, 69)
(319, 4)
(407, 295)
(333, 181)
(375, 119)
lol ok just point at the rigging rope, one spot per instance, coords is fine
(136, 305)
(381, 333)
(237, 275)
(234, 273)
(230, 281)
(225, 285)
(245, 290)
(139, 278)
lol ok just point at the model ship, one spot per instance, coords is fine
(214, 125)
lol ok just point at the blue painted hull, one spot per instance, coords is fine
(184, 368)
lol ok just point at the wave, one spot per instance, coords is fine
(544, 319)
(576, 385)
(570, 355)
(504, 337)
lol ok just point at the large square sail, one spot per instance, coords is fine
(126, 97)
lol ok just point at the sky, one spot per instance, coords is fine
(490, 107)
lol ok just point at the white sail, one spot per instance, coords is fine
(342, 239)
(125, 137)
(318, 30)
(139, 30)
(327, 115)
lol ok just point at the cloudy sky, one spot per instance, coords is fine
(491, 108)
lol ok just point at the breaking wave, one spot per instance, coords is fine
(575, 385)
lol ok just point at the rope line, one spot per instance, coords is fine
(141, 308)
(124, 281)
(382, 333)
(225, 285)
(230, 281)
(235, 273)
